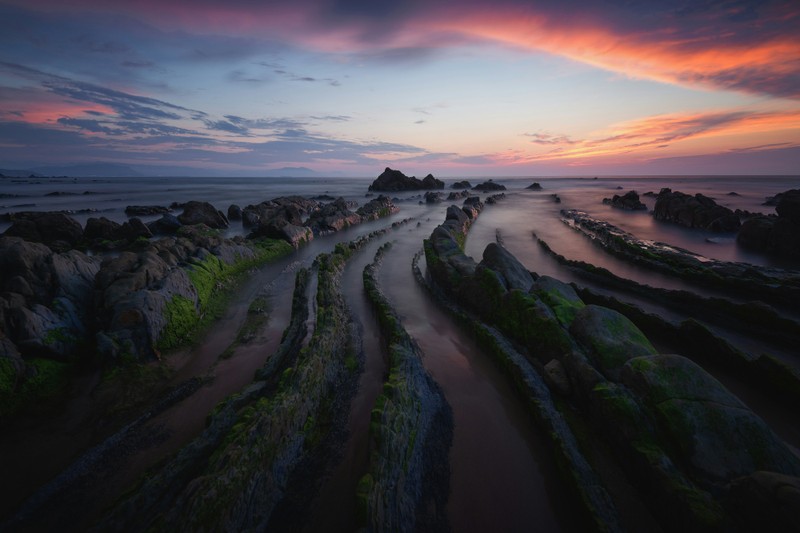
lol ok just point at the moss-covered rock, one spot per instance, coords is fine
(609, 338)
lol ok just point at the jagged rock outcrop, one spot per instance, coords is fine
(433, 197)
(376, 208)
(202, 213)
(628, 201)
(331, 217)
(394, 180)
(696, 211)
(679, 435)
(464, 184)
(46, 297)
(778, 235)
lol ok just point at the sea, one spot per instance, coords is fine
(522, 213)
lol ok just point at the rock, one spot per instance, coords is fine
(145, 210)
(433, 197)
(610, 339)
(459, 216)
(629, 201)
(788, 205)
(394, 180)
(457, 195)
(168, 224)
(202, 213)
(778, 235)
(461, 185)
(714, 431)
(513, 274)
(556, 377)
(332, 217)
(100, 229)
(489, 186)
(48, 228)
(696, 211)
(534, 186)
(234, 212)
(132, 230)
(493, 199)
(560, 296)
(376, 208)
(556, 198)
(766, 501)
(429, 182)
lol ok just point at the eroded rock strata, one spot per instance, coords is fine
(665, 418)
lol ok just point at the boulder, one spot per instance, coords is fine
(534, 186)
(48, 228)
(100, 229)
(202, 213)
(168, 224)
(394, 180)
(457, 195)
(628, 201)
(376, 208)
(234, 212)
(489, 186)
(462, 185)
(610, 339)
(513, 274)
(788, 206)
(331, 217)
(433, 197)
(132, 230)
(696, 211)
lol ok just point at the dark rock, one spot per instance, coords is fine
(513, 274)
(457, 195)
(394, 180)
(459, 216)
(100, 229)
(696, 211)
(332, 217)
(461, 185)
(202, 213)
(732, 193)
(493, 199)
(629, 201)
(610, 338)
(556, 377)
(234, 212)
(489, 186)
(766, 501)
(433, 197)
(168, 224)
(788, 205)
(650, 194)
(47, 228)
(473, 200)
(376, 208)
(145, 210)
(429, 182)
(534, 186)
(556, 198)
(132, 230)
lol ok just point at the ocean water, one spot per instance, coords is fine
(522, 213)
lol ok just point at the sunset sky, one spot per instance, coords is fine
(461, 88)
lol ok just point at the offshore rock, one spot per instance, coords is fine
(778, 235)
(629, 201)
(534, 186)
(696, 211)
(461, 185)
(489, 186)
(394, 180)
(145, 210)
(332, 217)
(376, 208)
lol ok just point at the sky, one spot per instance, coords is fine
(456, 88)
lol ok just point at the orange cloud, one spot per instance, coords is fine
(645, 135)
